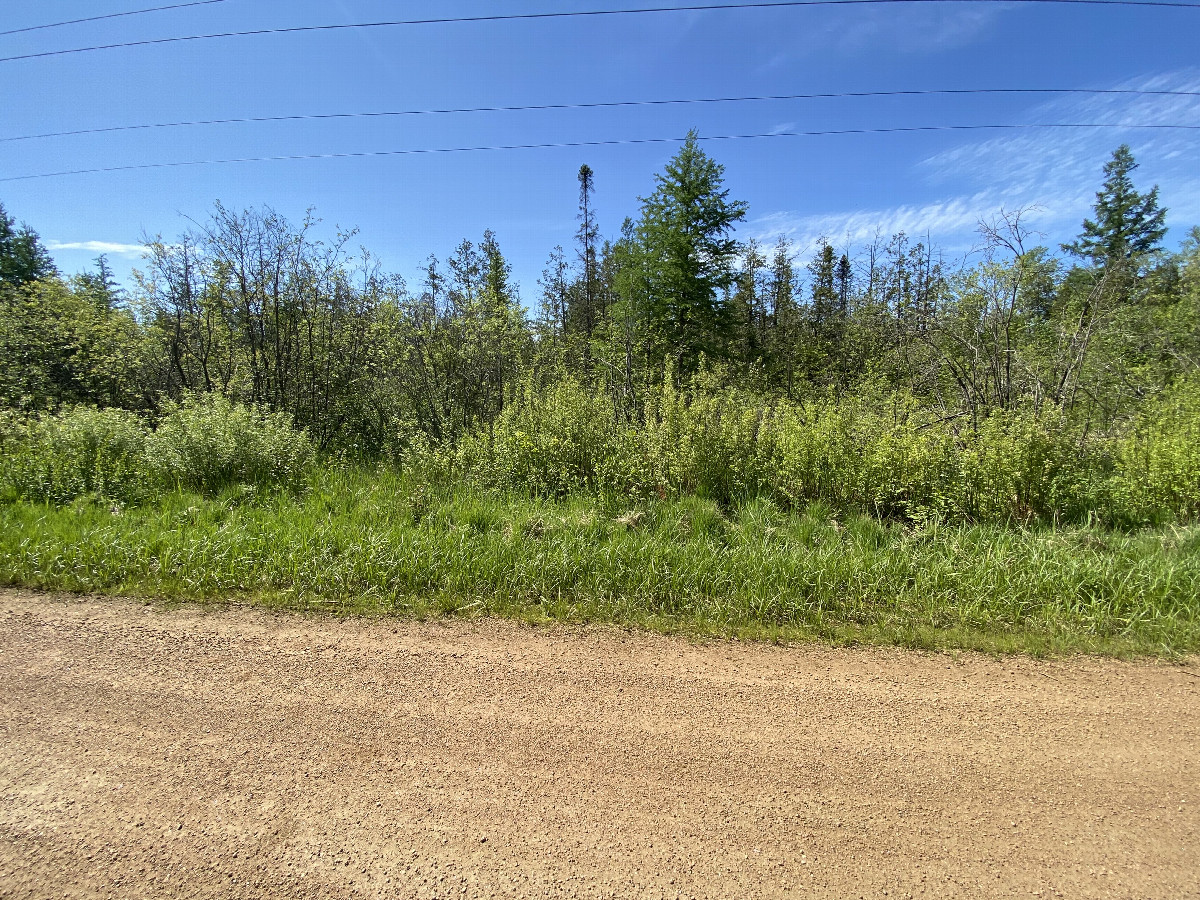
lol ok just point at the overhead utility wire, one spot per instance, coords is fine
(116, 15)
(566, 144)
(599, 105)
(512, 17)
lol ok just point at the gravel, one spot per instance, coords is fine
(231, 752)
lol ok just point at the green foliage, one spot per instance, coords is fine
(706, 440)
(874, 453)
(60, 347)
(546, 441)
(1159, 461)
(79, 452)
(1024, 467)
(208, 443)
(670, 364)
(889, 451)
(858, 455)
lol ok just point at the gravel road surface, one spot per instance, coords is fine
(215, 752)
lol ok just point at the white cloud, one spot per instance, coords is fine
(879, 29)
(950, 223)
(99, 247)
(1061, 169)
(922, 29)
(1055, 171)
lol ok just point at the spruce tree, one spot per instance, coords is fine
(22, 256)
(1127, 224)
(587, 236)
(686, 233)
(783, 343)
(844, 278)
(823, 269)
(100, 285)
(555, 290)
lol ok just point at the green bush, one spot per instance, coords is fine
(548, 442)
(706, 441)
(1158, 463)
(78, 452)
(855, 454)
(208, 443)
(878, 452)
(1021, 467)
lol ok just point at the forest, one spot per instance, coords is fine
(681, 429)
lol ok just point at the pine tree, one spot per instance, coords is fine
(1127, 224)
(685, 230)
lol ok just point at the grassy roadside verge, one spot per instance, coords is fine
(380, 543)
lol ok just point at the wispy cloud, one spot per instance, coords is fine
(922, 29)
(99, 247)
(1061, 170)
(1056, 172)
(951, 223)
(911, 30)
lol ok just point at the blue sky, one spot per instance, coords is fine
(407, 207)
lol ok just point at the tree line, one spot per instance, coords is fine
(258, 309)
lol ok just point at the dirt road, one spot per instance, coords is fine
(233, 753)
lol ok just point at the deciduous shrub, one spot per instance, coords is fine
(548, 442)
(881, 453)
(1157, 476)
(1022, 467)
(208, 443)
(80, 451)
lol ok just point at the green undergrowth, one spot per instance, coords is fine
(382, 543)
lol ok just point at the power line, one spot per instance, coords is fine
(568, 144)
(116, 15)
(511, 17)
(599, 105)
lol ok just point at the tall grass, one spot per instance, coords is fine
(381, 542)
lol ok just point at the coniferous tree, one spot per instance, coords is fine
(783, 341)
(686, 232)
(843, 285)
(100, 285)
(827, 321)
(587, 236)
(22, 256)
(750, 305)
(555, 295)
(1127, 224)
(823, 269)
